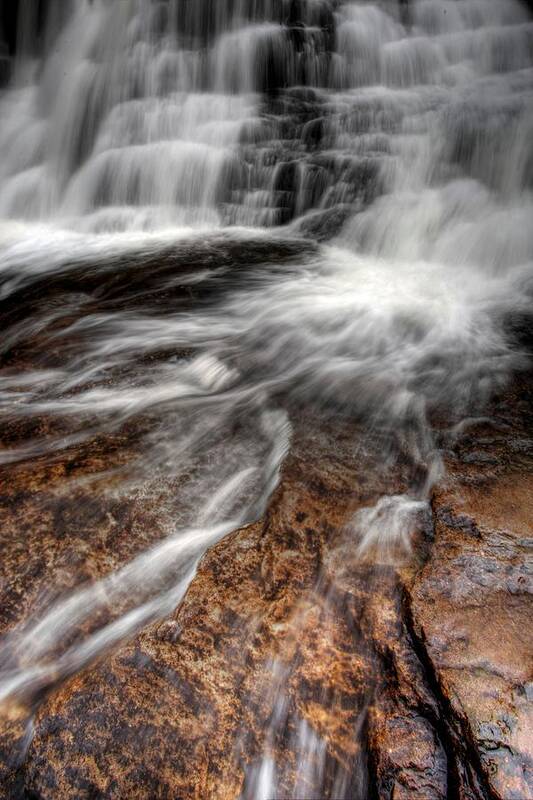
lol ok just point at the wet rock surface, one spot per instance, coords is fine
(470, 606)
(411, 681)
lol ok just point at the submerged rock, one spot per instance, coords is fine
(324, 225)
(298, 660)
(355, 676)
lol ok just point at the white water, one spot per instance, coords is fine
(144, 129)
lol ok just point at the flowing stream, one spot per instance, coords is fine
(213, 209)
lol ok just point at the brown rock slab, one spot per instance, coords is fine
(471, 604)
(360, 677)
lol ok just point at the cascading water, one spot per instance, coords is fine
(146, 148)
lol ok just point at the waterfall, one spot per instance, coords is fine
(215, 211)
(140, 115)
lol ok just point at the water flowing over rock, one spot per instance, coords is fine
(318, 671)
(266, 279)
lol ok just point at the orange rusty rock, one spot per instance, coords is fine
(414, 678)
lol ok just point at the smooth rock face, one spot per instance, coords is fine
(471, 603)
(409, 681)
